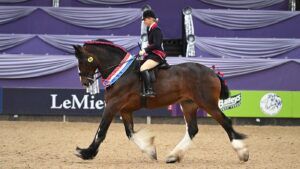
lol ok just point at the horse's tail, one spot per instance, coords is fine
(225, 93)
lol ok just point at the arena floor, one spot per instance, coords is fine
(51, 145)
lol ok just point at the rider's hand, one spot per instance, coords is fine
(142, 52)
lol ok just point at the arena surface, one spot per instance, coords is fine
(51, 145)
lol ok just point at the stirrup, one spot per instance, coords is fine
(150, 94)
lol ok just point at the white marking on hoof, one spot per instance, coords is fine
(173, 159)
(184, 144)
(178, 152)
(241, 149)
(77, 153)
(145, 141)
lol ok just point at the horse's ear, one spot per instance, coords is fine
(78, 51)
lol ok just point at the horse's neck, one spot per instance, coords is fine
(108, 62)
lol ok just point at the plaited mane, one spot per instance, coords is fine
(104, 42)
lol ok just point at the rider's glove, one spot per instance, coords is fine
(142, 52)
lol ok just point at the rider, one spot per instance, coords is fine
(154, 53)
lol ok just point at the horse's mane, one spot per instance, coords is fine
(105, 42)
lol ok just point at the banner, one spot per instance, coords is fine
(274, 104)
(60, 102)
(242, 103)
(231, 102)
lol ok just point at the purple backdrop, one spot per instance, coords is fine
(35, 46)
(279, 78)
(283, 77)
(294, 54)
(169, 13)
(154, 3)
(39, 22)
(30, 3)
(285, 29)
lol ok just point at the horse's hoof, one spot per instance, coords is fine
(241, 149)
(243, 154)
(172, 159)
(85, 154)
(153, 154)
(78, 152)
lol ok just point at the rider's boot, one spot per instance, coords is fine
(148, 92)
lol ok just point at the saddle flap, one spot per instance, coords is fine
(164, 65)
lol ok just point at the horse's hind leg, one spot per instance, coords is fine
(189, 109)
(236, 138)
(142, 139)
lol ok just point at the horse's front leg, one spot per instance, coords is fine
(143, 139)
(107, 117)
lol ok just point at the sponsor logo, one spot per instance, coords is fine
(231, 102)
(86, 102)
(270, 104)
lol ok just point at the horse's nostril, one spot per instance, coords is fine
(84, 84)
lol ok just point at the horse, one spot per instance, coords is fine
(192, 85)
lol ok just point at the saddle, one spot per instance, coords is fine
(153, 71)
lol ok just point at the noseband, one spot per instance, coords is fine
(90, 76)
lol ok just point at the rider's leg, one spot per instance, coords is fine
(149, 64)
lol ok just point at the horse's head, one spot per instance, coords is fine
(87, 65)
(100, 54)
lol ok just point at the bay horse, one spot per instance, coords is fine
(191, 85)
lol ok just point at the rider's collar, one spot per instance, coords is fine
(152, 26)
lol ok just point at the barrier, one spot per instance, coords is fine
(29, 101)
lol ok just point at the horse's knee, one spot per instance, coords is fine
(193, 130)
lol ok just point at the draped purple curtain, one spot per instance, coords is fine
(12, 1)
(234, 67)
(249, 4)
(11, 13)
(106, 18)
(109, 2)
(27, 66)
(11, 40)
(246, 47)
(242, 19)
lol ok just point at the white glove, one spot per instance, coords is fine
(142, 52)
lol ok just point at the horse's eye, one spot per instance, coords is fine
(90, 59)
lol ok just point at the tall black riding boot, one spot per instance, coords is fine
(147, 81)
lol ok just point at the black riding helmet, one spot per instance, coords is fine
(148, 14)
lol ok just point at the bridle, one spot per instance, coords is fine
(90, 76)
